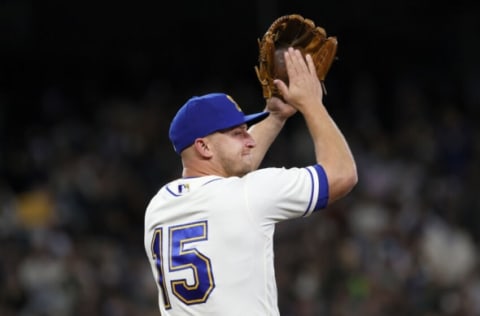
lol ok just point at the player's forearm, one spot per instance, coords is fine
(332, 152)
(264, 134)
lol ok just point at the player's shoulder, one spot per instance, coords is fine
(280, 175)
(177, 189)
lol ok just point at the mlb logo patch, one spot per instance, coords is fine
(184, 187)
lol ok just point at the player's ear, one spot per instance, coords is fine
(202, 147)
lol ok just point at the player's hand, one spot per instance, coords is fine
(279, 109)
(304, 90)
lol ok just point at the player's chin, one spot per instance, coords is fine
(247, 157)
(248, 164)
(244, 171)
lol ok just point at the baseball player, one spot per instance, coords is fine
(209, 234)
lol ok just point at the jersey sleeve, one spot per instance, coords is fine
(277, 194)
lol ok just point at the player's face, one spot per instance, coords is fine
(233, 150)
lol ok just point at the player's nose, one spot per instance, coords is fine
(249, 141)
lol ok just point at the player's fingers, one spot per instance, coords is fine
(281, 86)
(297, 61)
(311, 64)
(300, 61)
(290, 62)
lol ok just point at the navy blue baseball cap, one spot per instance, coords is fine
(203, 115)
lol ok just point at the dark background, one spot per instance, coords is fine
(87, 90)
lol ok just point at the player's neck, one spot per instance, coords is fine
(190, 173)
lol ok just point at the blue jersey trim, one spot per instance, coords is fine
(211, 181)
(170, 191)
(167, 187)
(323, 194)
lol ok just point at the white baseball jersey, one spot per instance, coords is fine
(210, 239)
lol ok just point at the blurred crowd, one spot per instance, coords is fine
(74, 186)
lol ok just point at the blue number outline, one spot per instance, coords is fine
(180, 258)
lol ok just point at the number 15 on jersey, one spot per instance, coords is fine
(178, 257)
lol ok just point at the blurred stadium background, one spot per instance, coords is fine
(87, 91)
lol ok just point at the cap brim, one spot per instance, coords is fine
(255, 118)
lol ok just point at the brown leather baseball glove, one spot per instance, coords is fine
(298, 32)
